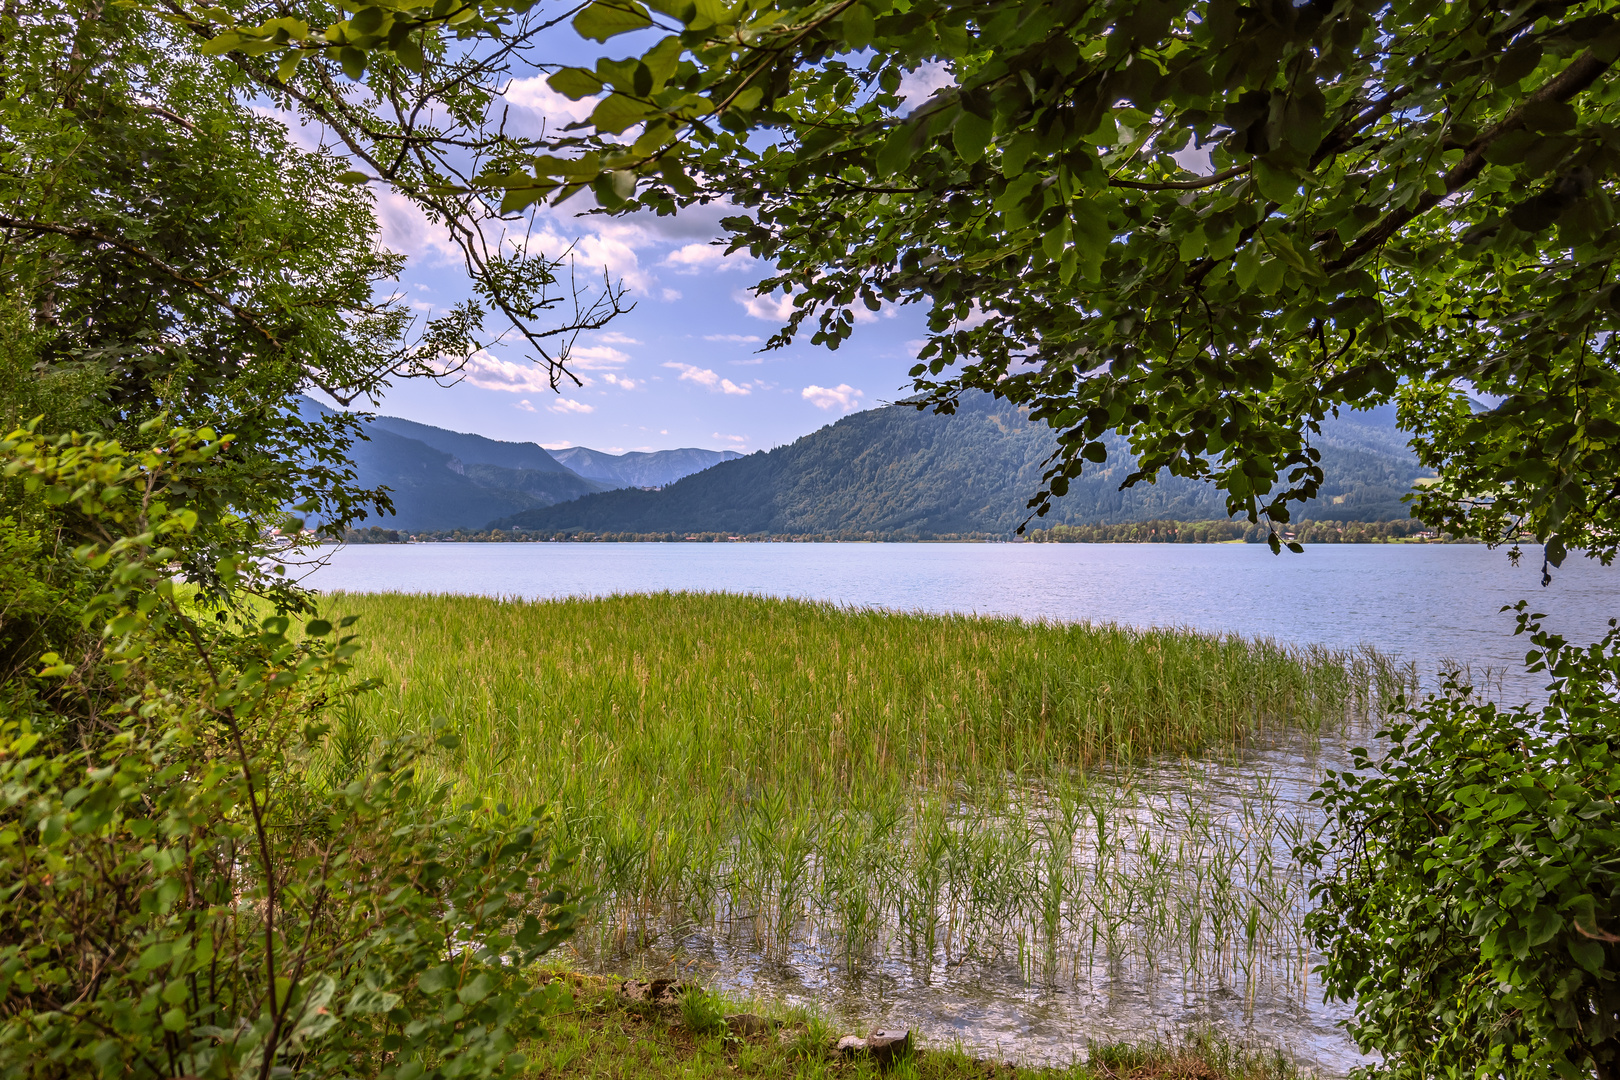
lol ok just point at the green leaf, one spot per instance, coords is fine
(1549, 117)
(1278, 185)
(1542, 924)
(601, 21)
(477, 990)
(575, 83)
(222, 44)
(353, 61)
(616, 112)
(352, 177)
(1192, 245)
(896, 152)
(1587, 953)
(858, 27)
(971, 135)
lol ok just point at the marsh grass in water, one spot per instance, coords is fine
(872, 787)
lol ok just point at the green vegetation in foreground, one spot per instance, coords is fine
(596, 1033)
(895, 782)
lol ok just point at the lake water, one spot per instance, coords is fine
(1432, 604)
(1242, 811)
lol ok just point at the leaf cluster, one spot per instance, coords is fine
(1469, 893)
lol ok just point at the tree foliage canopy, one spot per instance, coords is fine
(1204, 225)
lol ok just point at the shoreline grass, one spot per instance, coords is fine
(877, 786)
(747, 691)
(597, 1033)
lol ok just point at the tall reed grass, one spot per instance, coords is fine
(867, 783)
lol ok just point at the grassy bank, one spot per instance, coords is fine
(948, 790)
(597, 1033)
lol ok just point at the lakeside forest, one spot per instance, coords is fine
(1153, 531)
(249, 831)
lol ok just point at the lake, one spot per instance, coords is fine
(1229, 817)
(1432, 604)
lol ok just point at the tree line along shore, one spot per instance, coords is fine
(1160, 531)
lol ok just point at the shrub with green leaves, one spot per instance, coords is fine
(1470, 894)
(184, 893)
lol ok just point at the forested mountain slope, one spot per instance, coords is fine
(434, 489)
(900, 472)
(474, 449)
(442, 480)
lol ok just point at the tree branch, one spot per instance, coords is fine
(1582, 72)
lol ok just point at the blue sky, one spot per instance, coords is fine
(684, 367)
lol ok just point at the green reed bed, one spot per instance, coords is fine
(871, 784)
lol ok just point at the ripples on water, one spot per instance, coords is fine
(1159, 899)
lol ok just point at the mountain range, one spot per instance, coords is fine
(898, 472)
(442, 480)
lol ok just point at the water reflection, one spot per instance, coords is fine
(1159, 899)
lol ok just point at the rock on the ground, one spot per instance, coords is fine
(887, 1045)
(883, 1046)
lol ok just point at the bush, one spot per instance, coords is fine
(1470, 889)
(183, 893)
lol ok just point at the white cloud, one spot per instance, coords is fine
(490, 373)
(534, 93)
(708, 378)
(823, 397)
(621, 383)
(697, 258)
(556, 445)
(526, 405)
(403, 227)
(740, 339)
(671, 295)
(740, 440)
(613, 337)
(701, 376)
(596, 358)
(569, 405)
(771, 308)
(918, 86)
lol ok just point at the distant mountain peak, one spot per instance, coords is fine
(441, 480)
(641, 468)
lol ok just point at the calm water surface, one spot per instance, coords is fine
(1431, 604)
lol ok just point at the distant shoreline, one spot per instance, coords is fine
(1142, 532)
